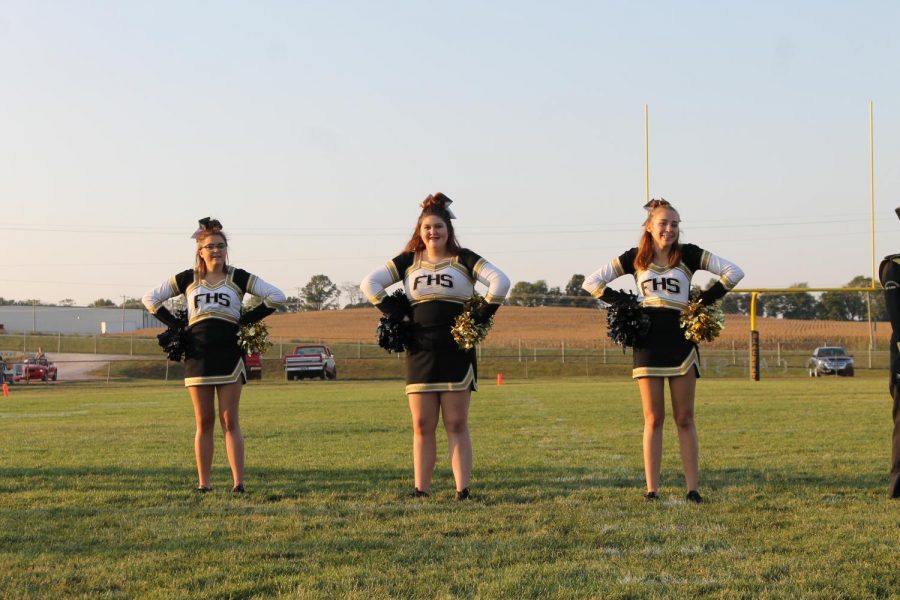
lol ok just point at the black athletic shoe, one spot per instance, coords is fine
(417, 493)
(203, 489)
(694, 496)
(238, 489)
(651, 496)
(463, 495)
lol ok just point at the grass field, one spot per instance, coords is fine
(96, 496)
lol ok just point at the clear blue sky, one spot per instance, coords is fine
(314, 129)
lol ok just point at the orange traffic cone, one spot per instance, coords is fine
(499, 378)
(5, 390)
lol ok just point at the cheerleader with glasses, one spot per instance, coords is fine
(662, 268)
(438, 277)
(213, 360)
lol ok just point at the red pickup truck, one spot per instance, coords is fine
(310, 360)
(34, 369)
(253, 364)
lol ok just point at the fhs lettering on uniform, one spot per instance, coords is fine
(669, 284)
(222, 299)
(442, 280)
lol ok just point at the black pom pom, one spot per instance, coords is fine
(395, 334)
(175, 340)
(626, 322)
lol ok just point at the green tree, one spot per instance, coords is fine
(525, 293)
(850, 306)
(802, 305)
(320, 294)
(101, 303)
(576, 295)
(736, 304)
(133, 303)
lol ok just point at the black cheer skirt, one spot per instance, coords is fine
(665, 352)
(435, 363)
(215, 357)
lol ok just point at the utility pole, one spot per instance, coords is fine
(123, 313)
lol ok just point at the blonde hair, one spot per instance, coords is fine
(207, 230)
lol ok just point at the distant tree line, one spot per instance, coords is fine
(320, 293)
(831, 306)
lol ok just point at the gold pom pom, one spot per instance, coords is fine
(254, 338)
(702, 323)
(467, 332)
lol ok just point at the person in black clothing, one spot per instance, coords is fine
(889, 274)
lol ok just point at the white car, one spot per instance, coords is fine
(830, 360)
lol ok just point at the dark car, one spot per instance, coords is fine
(7, 374)
(830, 360)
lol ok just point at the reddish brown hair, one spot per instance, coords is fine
(434, 204)
(213, 227)
(646, 250)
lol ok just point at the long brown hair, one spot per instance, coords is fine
(434, 204)
(208, 228)
(646, 250)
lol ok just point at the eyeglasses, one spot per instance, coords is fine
(211, 247)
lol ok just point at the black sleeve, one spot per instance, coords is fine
(485, 312)
(258, 313)
(183, 280)
(468, 259)
(889, 273)
(611, 296)
(691, 256)
(713, 293)
(241, 278)
(162, 313)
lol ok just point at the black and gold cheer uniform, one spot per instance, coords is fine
(434, 362)
(664, 292)
(214, 319)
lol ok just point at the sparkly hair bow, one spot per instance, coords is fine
(438, 201)
(206, 224)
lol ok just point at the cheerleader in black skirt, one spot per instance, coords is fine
(438, 277)
(662, 268)
(214, 362)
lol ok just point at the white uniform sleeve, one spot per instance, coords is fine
(596, 282)
(271, 295)
(496, 281)
(155, 298)
(375, 283)
(729, 273)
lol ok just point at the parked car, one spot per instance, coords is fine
(310, 360)
(34, 369)
(830, 360)
(253, 363)
(7, 375)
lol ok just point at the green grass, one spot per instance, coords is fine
(96, 500)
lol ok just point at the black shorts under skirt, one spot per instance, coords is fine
(665, 352)
(435, 363)
(215, 357)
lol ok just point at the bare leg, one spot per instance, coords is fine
(455, 409)
(425, 409)
(682, 390)
(203, 398)
(653, 404)
(229, 403)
